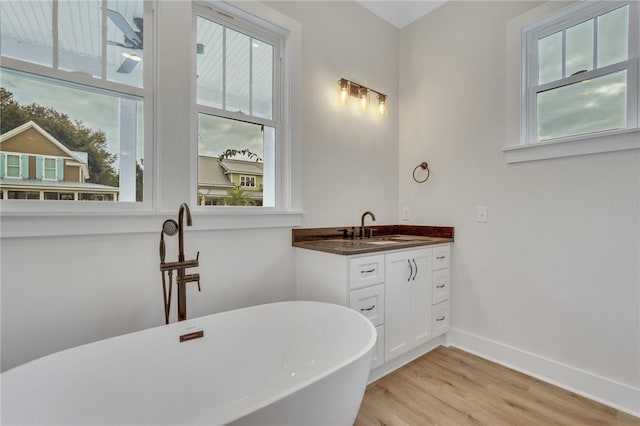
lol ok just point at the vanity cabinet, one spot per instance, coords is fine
(354, 281)
(404, 293)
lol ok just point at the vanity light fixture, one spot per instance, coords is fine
(348, 88)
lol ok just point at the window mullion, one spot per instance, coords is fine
(224, 68)
(103, 44)
(583, 76)
(595, 42)
(633, 94)
(234, 115)
(250, 76)
(564, 53)
(55, 34)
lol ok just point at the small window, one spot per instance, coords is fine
(50, 168)
(13, 166)
(582, 73)
(248, 181)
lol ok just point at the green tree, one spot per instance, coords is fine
(236, 197)
(71, 133)
(230, 153)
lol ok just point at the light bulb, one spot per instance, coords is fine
(343, 91)
(364, 98)
(382, 104)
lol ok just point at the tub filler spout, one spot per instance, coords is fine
(171, 227)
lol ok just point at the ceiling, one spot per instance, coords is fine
(401, 13)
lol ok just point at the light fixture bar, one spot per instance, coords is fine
(348, 88)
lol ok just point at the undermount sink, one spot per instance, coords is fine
(398, 239)
(379, 241)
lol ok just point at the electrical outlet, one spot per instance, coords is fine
(482, 214)
(406, 214)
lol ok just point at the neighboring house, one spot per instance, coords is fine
(35, 166)
(217, 178)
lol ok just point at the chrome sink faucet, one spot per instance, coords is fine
(362, 228)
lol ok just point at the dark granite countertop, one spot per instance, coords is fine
(386, 237)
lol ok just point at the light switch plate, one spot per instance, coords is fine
(482, 214)
(406, 213)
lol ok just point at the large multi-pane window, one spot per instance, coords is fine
(581, 72)
(238, 110)
(73, 99)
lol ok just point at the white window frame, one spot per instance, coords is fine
(529, 148)
(172, 146)
(247, 23)
(6, 166)
(52, 74)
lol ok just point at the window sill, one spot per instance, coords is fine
(36, 224)
(619, 140)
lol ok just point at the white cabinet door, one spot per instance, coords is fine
(408, 299)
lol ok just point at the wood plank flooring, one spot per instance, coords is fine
(448, 386)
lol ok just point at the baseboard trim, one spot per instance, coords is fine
(614, 394)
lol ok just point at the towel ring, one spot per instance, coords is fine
(423, 166)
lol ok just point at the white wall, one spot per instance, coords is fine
(349, 158)
(553, 276)
(59, 292)
(65, 291)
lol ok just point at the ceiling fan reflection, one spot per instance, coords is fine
(132, 40)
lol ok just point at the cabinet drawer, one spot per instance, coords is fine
(369, 302)
(377, 358)
(441, 285)
(366, 271)
(441, 257)
(440, 320)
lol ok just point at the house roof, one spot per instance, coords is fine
(210, 173)
(243, 167)
(80, 157)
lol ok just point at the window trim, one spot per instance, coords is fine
(253, 19)
(100, 85)
(6, 165)
(44, 167)
(546, 20)
(170, 184)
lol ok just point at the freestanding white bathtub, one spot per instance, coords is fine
(287, 363)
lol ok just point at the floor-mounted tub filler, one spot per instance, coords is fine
(286, 363)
